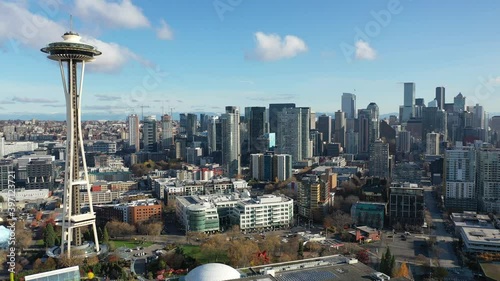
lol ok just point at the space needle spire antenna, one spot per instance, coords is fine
(72, 55)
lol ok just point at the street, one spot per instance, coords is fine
(446, 254)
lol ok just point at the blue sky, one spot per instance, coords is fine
(195, 56)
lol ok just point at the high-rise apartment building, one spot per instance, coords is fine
(380, 162)
(403, 142)
(293, 133)
(460, 178)
(352, 142)
(375, 126)
(364, 131)
(167, 135)
(269, 166)
(488, 179)
(150, 134)
(349, 105)
(325, 127)
(231, 144)
(191, 125)
(316, 138)
(434, 120)
(312, 123)
(440, 97)
(133, 132)
(432, 144)
(340, 128)
(214, 134)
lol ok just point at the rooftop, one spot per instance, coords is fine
(484, 235)
(491, 270)
(335, 268)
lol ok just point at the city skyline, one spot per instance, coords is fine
(155, 56)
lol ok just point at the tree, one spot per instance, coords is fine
(348, 201)
(338, 221)
(37, 265)
(49, 236)
(313, 247)
(1, 199)
(150, 228)
(392, 266)
(403, 271)
(117, 228)
(387, 262)
(363, 256)
(439, 273)
(50, 264)
(300, 252)
(214, 247)
(3, 259)
(23, 236)
(105, 236)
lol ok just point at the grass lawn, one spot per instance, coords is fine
(204, 257)
(131, 243)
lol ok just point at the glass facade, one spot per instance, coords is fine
(65, 274)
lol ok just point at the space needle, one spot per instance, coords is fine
(71, 53)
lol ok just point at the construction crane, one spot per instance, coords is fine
(142, 110)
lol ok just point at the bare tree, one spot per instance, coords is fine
(116, 228)
(338, 221)
(150, 228)
(23, 236)
(348, 202)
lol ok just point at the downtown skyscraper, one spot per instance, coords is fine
(257, 124)
(167, 138)
(407, 111)
(440, 97)
(293, 133)
(231, 143)
(150, 134)
(349, 105)
(274, 111)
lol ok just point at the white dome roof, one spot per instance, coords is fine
(212, 272)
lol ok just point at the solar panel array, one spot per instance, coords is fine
(307, 276)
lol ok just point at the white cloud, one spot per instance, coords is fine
(20, 27)
(364, 51)
(494, 80)
(164, 32)
(33, 100)
(122, 14)
(271, 47)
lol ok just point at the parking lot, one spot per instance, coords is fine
(404, 247)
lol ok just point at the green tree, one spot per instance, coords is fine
(1, 199)
(105, 236)
(49, 236)
(387, 263)
(439, 273)
(392, 266)
(300, 252)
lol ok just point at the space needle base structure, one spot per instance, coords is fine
(71, 53)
